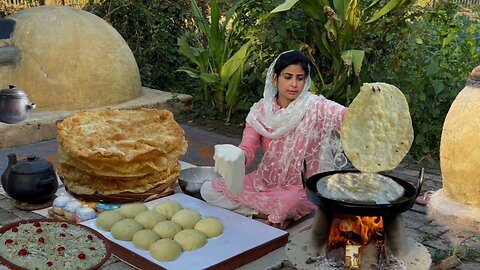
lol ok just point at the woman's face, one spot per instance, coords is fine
(290, 84)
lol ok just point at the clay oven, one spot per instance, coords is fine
(66, 59)
(457, 204)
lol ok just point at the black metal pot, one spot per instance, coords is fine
(31, 180)
(400, 205)
(15, 107)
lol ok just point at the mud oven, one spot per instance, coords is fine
(350, 235)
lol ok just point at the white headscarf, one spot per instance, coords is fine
(272, 124)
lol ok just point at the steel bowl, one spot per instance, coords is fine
(191, 179)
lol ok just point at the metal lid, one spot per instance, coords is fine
(13, 92)
(32, 165)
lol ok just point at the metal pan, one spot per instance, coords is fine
(402, 204)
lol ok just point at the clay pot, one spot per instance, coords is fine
(31, 180)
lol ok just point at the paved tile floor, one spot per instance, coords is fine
(442, 242)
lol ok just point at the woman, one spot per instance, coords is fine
(292, 125)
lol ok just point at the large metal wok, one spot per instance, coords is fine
(400, 205)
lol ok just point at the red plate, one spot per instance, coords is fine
(97, 234)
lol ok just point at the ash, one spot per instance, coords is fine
(335, 261)
(391, 263)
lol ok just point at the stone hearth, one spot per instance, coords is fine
(417, 257)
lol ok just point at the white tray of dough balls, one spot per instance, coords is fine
(182, 232)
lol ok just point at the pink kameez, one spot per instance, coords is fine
(275, 188)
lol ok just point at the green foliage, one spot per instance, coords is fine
(335, 28)
(150, 28)
(430, 60)
(219, 60)
(7, 8)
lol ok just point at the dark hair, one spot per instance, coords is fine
(292, 58)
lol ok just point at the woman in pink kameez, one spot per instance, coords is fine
(292, 125)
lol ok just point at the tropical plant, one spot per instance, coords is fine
(217, 62)
(335, 33)
(430, 63)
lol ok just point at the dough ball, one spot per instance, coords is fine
(125, 229)
(190, 239)
(187, 218)
(149, 218)
(167, 229)
(165, 250)
(105, 220)
(210, 226)
(130, 210)
(168, 208)
(144, 239)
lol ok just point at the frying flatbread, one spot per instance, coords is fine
(360, 187)
(377, 129)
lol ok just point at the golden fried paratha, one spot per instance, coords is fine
(377, 129)
(80, 182)
(120, 135)
(121, 169)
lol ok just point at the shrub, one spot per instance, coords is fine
(430, 60)
(150, 28)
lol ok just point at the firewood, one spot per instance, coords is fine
(448, 263)
(369, 258)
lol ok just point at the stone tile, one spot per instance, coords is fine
(467, 266)
(415, 234)
(7, 217)
(415, 220)
(439, 244)
(456, 237)
(419, 209)
(473, 242)
(433, 228)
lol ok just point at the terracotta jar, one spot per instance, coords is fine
(460, 145)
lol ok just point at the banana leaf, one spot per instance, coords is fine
(386, 9)
(194, 73)
(287, 5)
(215, 39)
(353, 59)
(234, 63)
(199, 19)
(314, 8)
(233, 90)
(191, 53)
(341, 8)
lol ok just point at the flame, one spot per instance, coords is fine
(351, 230)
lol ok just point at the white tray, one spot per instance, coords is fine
(242, 241)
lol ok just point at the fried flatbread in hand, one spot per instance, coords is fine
(377, 129)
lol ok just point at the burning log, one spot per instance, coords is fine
(369, 257)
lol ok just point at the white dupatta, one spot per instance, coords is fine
(295, 131)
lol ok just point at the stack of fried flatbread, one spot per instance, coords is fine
(116, 151)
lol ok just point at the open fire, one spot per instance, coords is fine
(354, 230)
(355, 236)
